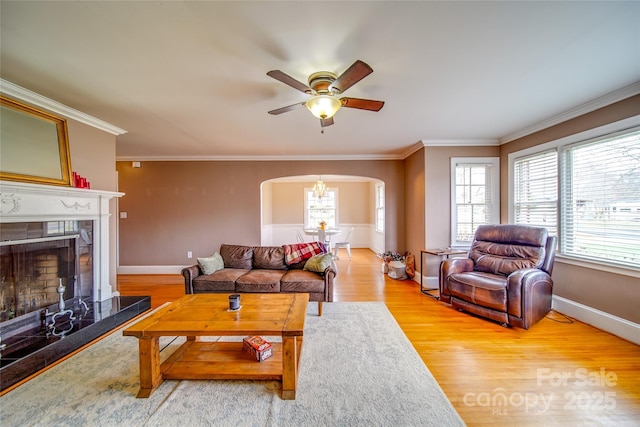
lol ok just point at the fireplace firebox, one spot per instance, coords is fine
(36, 258)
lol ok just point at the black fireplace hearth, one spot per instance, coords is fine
(37, 347)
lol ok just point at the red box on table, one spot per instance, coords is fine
(258, 347)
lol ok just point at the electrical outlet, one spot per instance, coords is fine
(123, 215)
(189, 254)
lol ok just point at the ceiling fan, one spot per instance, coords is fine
(324, 86)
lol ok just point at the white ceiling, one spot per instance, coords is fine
(188, 79)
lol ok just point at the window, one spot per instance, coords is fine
(380, 207)
(536, 190)
(601, 198)
(324, 209)
(598, 216)
(475, 196)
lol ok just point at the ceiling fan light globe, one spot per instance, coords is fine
(323, 106)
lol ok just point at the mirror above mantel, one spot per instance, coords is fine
(34, 145)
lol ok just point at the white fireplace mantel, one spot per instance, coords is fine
(23, 202)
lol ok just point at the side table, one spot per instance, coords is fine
(439, 252)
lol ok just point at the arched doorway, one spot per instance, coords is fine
(359, 204)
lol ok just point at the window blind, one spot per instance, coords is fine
(536, 190)
(601, 199)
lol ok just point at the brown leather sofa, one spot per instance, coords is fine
(506, 277)
(261, 269)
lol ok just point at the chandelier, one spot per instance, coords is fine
(319, 190)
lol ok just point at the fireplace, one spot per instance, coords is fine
(55, 291)
(36, 258)
(46, 282)
(32, 213)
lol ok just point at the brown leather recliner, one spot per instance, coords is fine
(507, 276)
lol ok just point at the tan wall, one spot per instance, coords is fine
(354, 204)
(438, 196)
(288, 202)
(613, 293)
(93, 155)
(267, 203)
(415, 191)
(175, 207)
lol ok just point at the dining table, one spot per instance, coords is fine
(324, 236)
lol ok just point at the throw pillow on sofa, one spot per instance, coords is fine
(318, 263)
(211, 264)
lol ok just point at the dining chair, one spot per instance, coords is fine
(346, 243)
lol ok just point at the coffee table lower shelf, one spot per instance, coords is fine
(204, 360)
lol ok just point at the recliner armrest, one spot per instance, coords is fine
(189, 274)
(447, 268)
(524, 286)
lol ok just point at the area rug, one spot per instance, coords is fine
(358, 368)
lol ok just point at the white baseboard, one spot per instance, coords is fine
(618, 326)
(431, 282)
(150, 269)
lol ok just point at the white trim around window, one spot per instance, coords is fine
(380, 201)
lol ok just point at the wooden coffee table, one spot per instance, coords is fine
(202, 315)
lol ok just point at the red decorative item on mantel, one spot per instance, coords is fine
(80, 181)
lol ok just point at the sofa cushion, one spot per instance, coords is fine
(302, 281)
(237, 256)
(484, 289)
(269, 257)
(221, 280)
(318, 263)
(211, 264)
(260, 281)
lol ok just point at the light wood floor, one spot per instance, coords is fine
(556, 373)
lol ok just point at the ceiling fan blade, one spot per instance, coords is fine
(326, 122)
(288, 80)
(287, 108)
(358, 71)
(362, 104)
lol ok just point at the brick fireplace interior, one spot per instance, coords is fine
(37, 258)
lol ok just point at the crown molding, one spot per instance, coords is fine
(33, 98)
(460, 142)
(258, 158)
(412, 149)
(608, 99)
